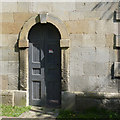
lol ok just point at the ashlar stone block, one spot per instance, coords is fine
(21, 17)
(9, 6)
(63, 6)
(10, 28)
(7, 97)
(3, 82)
(89, 68)
(6, 17)
(76, 40)
(75, 27)
(64, 43)
(23, 6)
(13, 81)
(20, 98)
(102, 54)
(38, 7)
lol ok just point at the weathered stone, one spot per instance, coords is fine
(101, 69)
(43, 17)
(104, 27)
(93, 84)
(23, 6)
(87, 103)
(9, 6)
(88, 40)
(21, 17)
(102, 83)
(104, 6)
(94, 15)
(113, 104)
(20, 98)
(102, 54)
(4, 67)
(12, 40)
(7, 97)
(76, 40)
(76, 15)
(79, 83)
(88, 54)
(64, 16)
(3, 37)
(85, 6)
(11, 28)
(9, 40)
(117, 40)
(89, 100)
(76, 68)
(23, 44)
(91, 26)
(0, 40)
(4, 82)
(6, 17)
(65, 6)
(109, 40)
(80, 26)
(116, 30)
(13, 67)
(89, 68)
(13, 54)
(100, 40)
(117, 69)
(13, 81)
(23, 69)
(68, 100)
(64, 43)
(38, 7)
(114, 55)
(4, 54)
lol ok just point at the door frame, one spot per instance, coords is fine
(23, 45)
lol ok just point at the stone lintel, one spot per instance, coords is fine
(23, 44)
(64, 43)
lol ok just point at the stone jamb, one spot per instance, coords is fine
(24, 45)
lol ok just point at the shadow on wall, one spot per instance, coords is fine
(109, 6)
(97, 100)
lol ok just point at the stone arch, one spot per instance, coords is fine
(24, 45)
(43, 18)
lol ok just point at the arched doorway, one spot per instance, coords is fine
(44, 65)
(42, 18)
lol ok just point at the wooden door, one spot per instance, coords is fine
(44, 65)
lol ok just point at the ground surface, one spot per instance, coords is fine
(39, 112)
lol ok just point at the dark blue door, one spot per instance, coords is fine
(44, 65)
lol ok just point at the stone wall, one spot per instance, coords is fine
(13, 97)
(91, 51)
(91, 28)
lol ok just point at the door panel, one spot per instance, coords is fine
(44, 65)
(36, 90)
